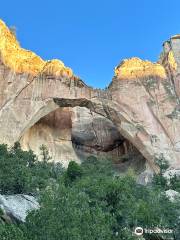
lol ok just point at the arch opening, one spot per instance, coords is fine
(75, 133)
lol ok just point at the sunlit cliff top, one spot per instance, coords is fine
(177, 36)
(136, 68)
(24, 61)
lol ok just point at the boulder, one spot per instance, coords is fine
(16, 207)
(145, 177)
(172, 195)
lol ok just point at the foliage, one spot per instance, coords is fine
(97, 167)
(20, 172)
(86, 201)
(68, 215)
(10, 231)
(159, 181)
(45, 153)
(170, 90)
(174, 183)
(150, 83)
(99, 205)
(74, 171)
(175, 114)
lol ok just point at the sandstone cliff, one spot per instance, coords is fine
(43, 102)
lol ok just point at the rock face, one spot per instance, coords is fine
(93, 133)
(17, 207)
(77, 133)
(54, 131)
(43, 102)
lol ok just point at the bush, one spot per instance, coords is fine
(159, 181)
(14, 169)
(20, 172)
(67, 214)
(10, 231)
(97, 166)
(73, 172)
(99, 205)
(86, 201)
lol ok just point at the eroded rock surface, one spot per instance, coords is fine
(141, 105)
(77, 133)
(54, 131)
(16, 207)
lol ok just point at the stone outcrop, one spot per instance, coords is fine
(44, 102)
(24, 61)
(15, 208)
(135, 68)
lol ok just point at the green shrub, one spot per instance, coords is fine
(73, 172)
(98, 205)
(20, 172)
(11, 232)
(85, 201)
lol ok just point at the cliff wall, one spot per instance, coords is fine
(44, 102)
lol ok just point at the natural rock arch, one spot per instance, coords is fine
(35, 98)
(27, 107)
(142, 100)
(105, 108)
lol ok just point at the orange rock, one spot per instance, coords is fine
(171, 60)
(24, 61)
(134, 68)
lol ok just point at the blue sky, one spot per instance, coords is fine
(93, 36)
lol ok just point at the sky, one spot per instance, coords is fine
(93, 36)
